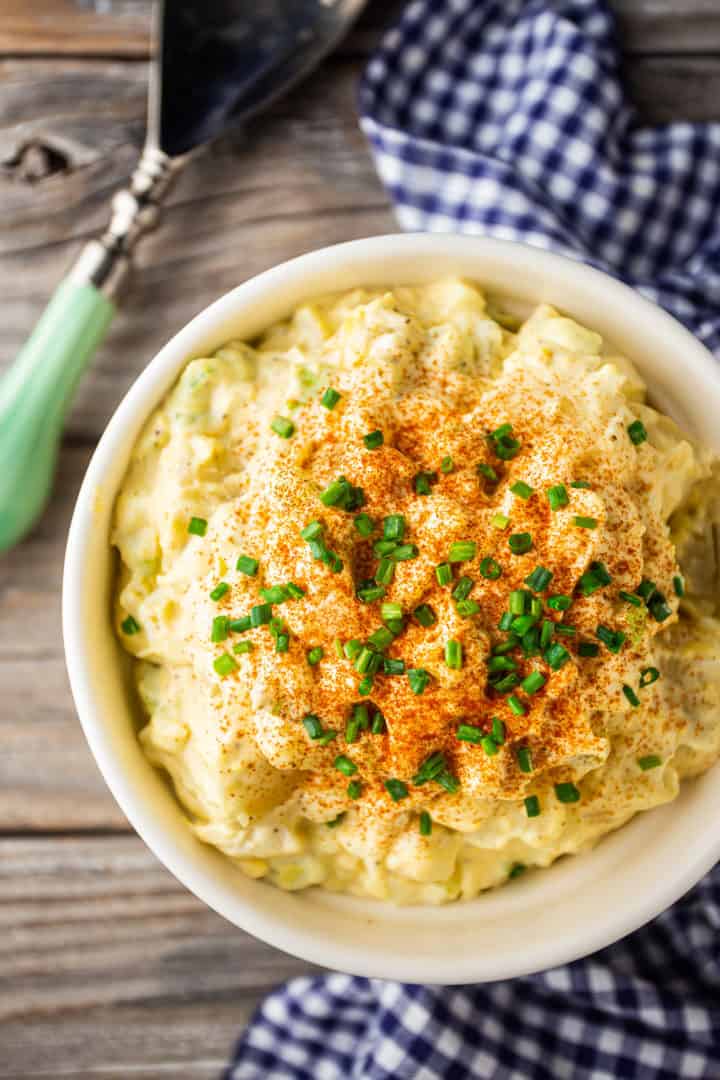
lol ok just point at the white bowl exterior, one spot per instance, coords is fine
(544, 919)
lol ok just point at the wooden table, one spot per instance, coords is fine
(108, 967)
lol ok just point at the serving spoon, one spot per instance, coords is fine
(216, 63)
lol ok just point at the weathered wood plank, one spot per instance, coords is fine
(48, 780)
(121, 27)
(109, 967)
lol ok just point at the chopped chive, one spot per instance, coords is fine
(658, 607)
(489, 745)
(276, 594)
(354, 789)
(219, 631)
(374, 439)
(556, 655)
(389, 611)
(504, 445)
(516, 705)
(333, 824)
(314, 656)
(463, 588)
(282, 426)
(567, 793)
(379, 727)
(385, 571)
(518, 601)
(546, 633)
(522, 623)
(490, 569)
(418, 679)
(335, 493)
(560, 602)
(631, 695)
(447, 781)
(637, 432)
(425, 823)
(365, 661)
(539, 580)
(224, 664)
(393, 667)
(646, 588)
(631, 598)
(327, 737)
(468, 733)
(678, 585)
(370, 592)
(404, 552)
(423, 482)
(532, 806)
(501, 663)
(453, 654)
(520, 543)
(381, 638)
(531, 641)
(524, 759)
(197, 526)
(425, 615)
(296, 592)
(498, 730)
(506, 621)
(557, 496)
(249, 566)
(219, 591)
(396, 789)
(467, 608)
(499, 521)
(523, 490)
(488, 472)
(310, 532)
(446, 465)
(130, 626)
(585, 522)
(338, 648)
(536, 606)
(650, 761)
(533, 682)
(594, 578)
(330, 398)
(239, 626)
(648, 676)
(384, 547)
(588, 648)
(443, 573)
(394, 527)
(243, 647)
(503, 685)
(506, 646)
(612, 639)
(312, 725)
(365, 685)
(580, 484)
(344, 765)
(430, 769)
(282, 643)
(260, 614)
(462, 551)
(364, 525)
(516, 870)
(352, 648)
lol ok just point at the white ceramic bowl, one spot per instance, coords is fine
(546, 918)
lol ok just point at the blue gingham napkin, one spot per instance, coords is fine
(507, 118)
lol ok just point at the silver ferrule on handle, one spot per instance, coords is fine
(105, 262)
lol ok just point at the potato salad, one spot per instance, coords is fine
(420, 595)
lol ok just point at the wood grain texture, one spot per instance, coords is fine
(109, 967)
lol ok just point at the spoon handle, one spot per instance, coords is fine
(36, 392)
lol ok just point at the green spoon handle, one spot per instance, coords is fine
(37, 391)
(35, 395)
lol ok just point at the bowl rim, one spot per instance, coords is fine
(134, 408)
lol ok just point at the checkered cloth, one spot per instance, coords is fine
(507, 118)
